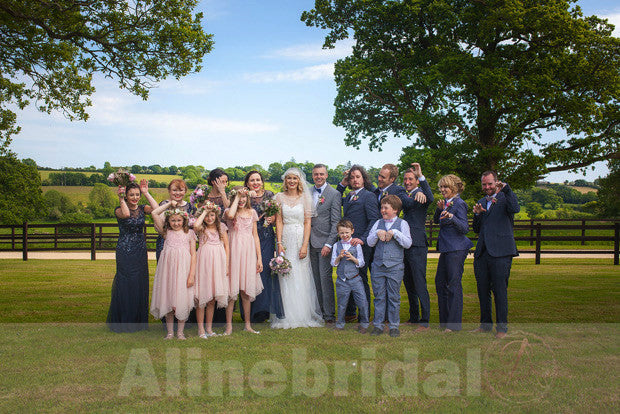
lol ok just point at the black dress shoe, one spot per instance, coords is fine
(394, 333)
(376, 331)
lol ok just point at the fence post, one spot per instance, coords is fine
(25, 241)
(12, 238)
(583, 232)
(531, 232)
(55, 237)
(92, 241)
(100, 235)
(430, 235)
(616, 242)
(537, 243)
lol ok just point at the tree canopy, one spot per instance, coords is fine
(475, 84)
(20, 191)
(50, 50)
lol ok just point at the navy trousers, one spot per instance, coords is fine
(415, 284)
(492, 277)
(450, 289)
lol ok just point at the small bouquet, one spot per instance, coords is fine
(269, 207)
(199, 194)
(121, 178)
(280, 265)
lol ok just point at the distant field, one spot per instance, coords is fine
(80, 193)
(585, 190)
(165, 178)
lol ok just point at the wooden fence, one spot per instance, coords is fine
(92, 236)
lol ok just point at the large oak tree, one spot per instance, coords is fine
(50, 50)
(476, 84)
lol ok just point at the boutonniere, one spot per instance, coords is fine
(449, 204)
(383, 194)
(355, 197)
(493, 200)
(321, 199)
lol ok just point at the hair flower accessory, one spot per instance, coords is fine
(176, 211)
(208, 206)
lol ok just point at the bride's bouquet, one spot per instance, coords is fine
(269, 207)
(280, 265)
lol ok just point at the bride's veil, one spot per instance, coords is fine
(306, 194)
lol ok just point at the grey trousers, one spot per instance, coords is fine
(323, 282)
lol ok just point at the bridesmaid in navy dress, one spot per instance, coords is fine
(269, 300)
(129, 306)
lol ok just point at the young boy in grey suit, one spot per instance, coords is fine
(347, 260)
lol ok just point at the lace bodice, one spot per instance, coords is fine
(294, 209)
(131, 231)
(178, 239)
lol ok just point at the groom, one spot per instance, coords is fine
(323, 235)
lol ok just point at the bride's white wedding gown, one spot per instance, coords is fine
(301, 305)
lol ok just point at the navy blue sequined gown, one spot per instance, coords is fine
(129, 306)
(269, 300)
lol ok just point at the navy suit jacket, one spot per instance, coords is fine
(362, 212)
(452, 231)
(414, 214)
(495, 226)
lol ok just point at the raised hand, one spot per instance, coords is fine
(445, 214)
(345, 178)
(219, 184)
(417, 170)
(441, 204)
(144, 186)
(120, 191)
(498, 186)
(479, 209)
(173, 203)
(420, 197)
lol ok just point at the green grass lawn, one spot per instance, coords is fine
(561, 353)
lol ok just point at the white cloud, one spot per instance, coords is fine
(314, 52)
(308, 73)
(614, 18)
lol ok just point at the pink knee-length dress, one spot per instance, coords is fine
(170, 291)
(243, 275)
(211, 279)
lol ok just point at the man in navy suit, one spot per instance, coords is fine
(386, 178)
(419, 193)
(494, 221)
(361, 208)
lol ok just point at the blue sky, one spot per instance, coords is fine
(265, 94)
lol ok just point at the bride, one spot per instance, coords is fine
(301, 305)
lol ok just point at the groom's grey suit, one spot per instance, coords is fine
(324, 233)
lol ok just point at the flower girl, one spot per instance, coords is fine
(212, 265)
(173, 295)
(245, 255)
